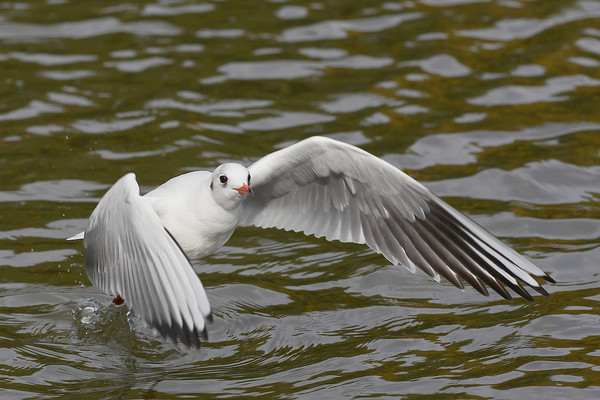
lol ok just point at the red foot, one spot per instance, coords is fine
(118, 300)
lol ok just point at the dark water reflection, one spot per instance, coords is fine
(492, 104)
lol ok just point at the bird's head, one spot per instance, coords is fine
(230, 184)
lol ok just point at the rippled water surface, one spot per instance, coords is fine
(494, 105)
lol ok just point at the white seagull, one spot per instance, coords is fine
(137, 247)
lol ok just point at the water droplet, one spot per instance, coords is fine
(86, 314)
(132, 320)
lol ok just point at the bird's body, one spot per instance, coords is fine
(135, 245)
(192, 215)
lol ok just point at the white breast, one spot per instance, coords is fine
(190, 214)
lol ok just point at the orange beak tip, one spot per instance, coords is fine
(245, 189)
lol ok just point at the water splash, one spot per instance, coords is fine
(132, 321)
(87, 314)
(103, 321)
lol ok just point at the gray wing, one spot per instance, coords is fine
(328, 188)
(128, 252)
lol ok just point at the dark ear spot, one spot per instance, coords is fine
(210, 185)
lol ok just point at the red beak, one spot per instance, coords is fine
(245, 189)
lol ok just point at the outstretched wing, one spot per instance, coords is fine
(328, 188)
(129, 253)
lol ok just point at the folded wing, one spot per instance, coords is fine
(129, 253)
(334, 190)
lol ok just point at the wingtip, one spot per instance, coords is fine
(178, 334)
(79, 236)
(541, 290)
(204, 335)
(504, 293)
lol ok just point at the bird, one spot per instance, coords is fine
(139, 247)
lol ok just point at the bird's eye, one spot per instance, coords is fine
(248, 178)
(223, 178)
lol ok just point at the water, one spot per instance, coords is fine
(491, 104)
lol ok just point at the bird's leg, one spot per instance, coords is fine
(118, 300)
